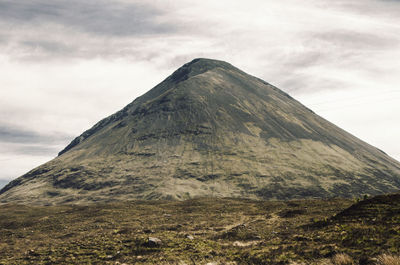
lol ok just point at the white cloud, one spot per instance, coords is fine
(81, 91)
(14, 165)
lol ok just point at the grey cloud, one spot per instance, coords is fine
(346, 45)
(292, 76)
(22, 142)
(51, 47)
(356, 40)
(309, 84)
(97, 17)
(373, 8)
(302, 60)
(17, 149)
(335, 48)
(3, 183)
(17, 135)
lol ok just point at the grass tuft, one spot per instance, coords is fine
(342, 259)
(388, 259)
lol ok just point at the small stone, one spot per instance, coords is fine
(153, 242)
(32, 252)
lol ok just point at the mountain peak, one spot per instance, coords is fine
(207, 64)
(199, 66)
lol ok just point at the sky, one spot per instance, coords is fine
(66, 64)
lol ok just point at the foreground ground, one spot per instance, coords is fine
(201, 231)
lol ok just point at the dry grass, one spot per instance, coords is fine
(342, 259)
(388, 259)
(225, 231)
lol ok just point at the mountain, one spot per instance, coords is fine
(209, 129)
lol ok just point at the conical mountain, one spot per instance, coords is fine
(209, 129)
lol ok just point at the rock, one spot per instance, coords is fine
(32, 252)
(190, 237)
(153, 242)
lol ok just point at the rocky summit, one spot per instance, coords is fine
(209, 129)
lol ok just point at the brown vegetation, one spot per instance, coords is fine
(388, 259)
(201, 231)
(342, 259)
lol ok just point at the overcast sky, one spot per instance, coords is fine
(65, 64)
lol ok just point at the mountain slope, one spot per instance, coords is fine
(209, 129)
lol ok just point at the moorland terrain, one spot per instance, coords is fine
(203, 231)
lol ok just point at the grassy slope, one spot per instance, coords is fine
(224, 230)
